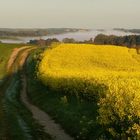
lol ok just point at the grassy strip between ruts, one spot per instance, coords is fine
(77, 118)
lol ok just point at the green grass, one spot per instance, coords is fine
(16, 120)
(77, 118)
(21, 124)
(5, 51)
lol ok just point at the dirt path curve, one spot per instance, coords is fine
(13, 57)
(5, 133)
(44, 119)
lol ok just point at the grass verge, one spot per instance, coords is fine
(5, 52)
(21, 124)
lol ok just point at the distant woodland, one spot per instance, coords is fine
(132, 41)
(129, 41)
(35, 32)
(128, 30)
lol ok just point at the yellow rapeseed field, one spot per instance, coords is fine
(73, 59)
(107, 74)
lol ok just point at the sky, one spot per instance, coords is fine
(70, 13)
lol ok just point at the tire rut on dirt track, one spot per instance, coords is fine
(5, 133)
(43, 118)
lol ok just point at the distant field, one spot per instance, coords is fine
(108, 75)
(5, 51)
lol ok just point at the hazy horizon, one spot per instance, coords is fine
(90, 14)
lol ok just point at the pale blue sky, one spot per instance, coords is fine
(70, 13)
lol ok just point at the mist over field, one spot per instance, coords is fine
(78, 35)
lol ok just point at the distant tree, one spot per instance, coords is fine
(129, 41)
(34, 42)
(49, 41)
(100, 39)
(138, 40)
(41, 42)
(68, 40)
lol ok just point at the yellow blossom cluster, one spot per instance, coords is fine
(110, 74)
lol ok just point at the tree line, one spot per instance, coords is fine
(35, 32)
(131, 41)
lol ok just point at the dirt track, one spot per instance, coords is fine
(13, 57)
(43, 119)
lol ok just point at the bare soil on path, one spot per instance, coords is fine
(43, 118)
(13, 57)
